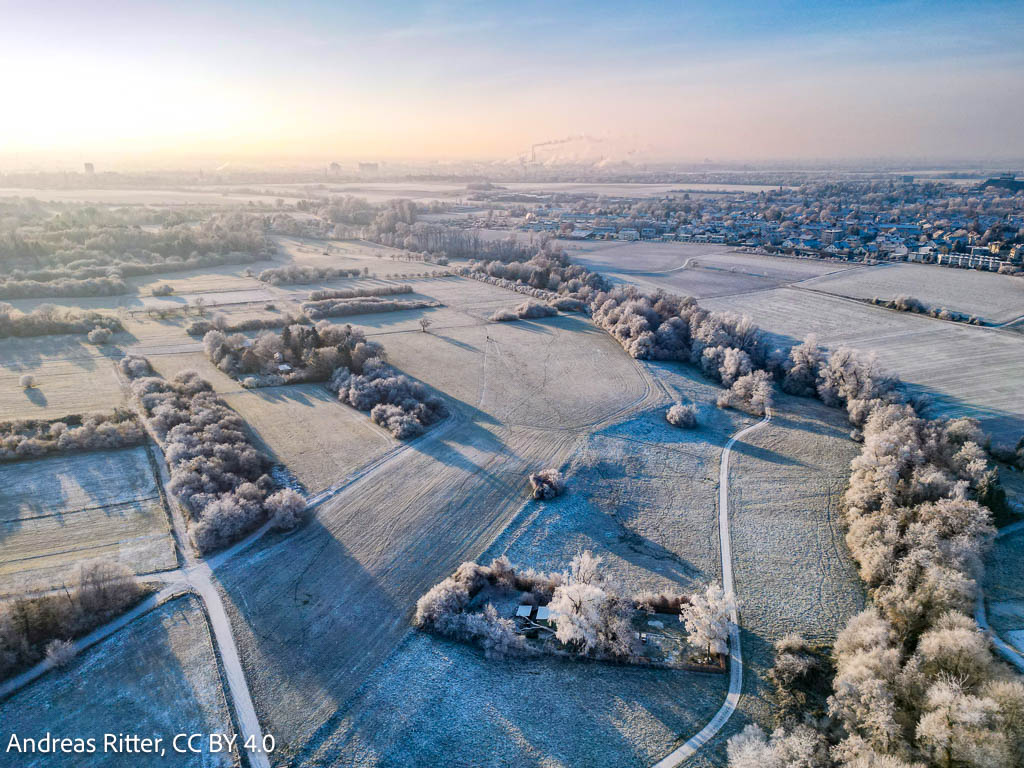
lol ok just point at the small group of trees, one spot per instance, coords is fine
(30, 438)
(527, 310)
(308, 353)
(918, 307)
(220, 477)
(589, 615)
(318, 310)
(400, 404)
(34, 627)
(47, 320)
(295, 273)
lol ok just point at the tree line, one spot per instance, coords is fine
(31, 438)
(220, 477)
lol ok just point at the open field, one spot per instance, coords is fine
(793, 570)
(437, 702)
(59, 510)
(344, 585)
(967, 371)
(72, 376)
(694, 269)
(156, 677)
(305, 428)
(657, 257)
(992, 297)
(641, 494)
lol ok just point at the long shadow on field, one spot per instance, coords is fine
(311, 622)
(764, 454)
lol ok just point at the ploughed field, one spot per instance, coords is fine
(158, 676)
(994, 298)
(58, 510)
(966, 370)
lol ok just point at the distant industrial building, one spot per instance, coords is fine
(334, 169)
(369, 167)
(90, 169)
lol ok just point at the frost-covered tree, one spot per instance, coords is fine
(684, 416)
(708, 619)
(285, 508)
(27, 381)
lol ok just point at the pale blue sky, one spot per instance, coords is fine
(748, 80)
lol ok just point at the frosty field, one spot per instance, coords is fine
(305, 428)
(156, 677)
(71, 377)
(992, 297)
(967, 371)
(695, 269)
(59, 510)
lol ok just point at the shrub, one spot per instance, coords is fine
(99, 335)
(680, 415)
(60, 652)
(163, 289)
(27, 381)
(285, 508)
(547, 484)
(503, 315)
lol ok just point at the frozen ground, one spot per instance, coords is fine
(305, 428)
(694, 269)
(992, 297)
(967, 371)
(343, 586)
(156, 677)
(59, 510)
(72, 376)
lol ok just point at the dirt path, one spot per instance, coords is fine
(709, 731)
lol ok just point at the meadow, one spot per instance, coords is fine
(59, 510)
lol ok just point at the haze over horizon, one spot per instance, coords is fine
(164, 82)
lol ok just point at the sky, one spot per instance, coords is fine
(641, 81)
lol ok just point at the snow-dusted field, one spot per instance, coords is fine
(72, 376)
(59, 510)
(992, 297)
(968, 371)
(156, 677)
(305, 428)
(695, 269)
(1004, 584)
(343, 586)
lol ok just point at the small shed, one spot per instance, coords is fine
(524, 611)
(544, 614)
(284, 368)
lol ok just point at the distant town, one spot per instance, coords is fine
(979, 227)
